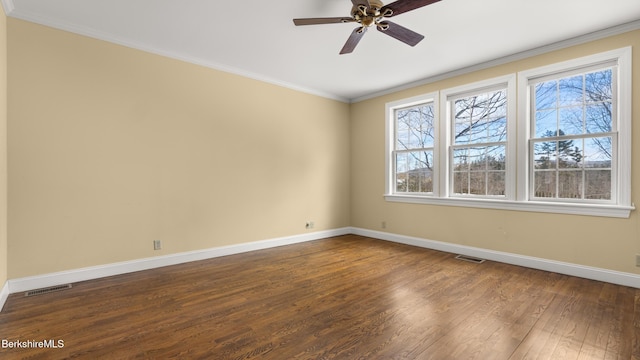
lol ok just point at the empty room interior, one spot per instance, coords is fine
(214, 180)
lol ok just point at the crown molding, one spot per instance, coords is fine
(8, 6)
(9, 9)
(99, 35)
(578, 40)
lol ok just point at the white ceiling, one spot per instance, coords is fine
(258, 39)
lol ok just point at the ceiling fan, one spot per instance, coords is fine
(372, 12)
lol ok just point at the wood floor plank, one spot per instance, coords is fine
(348, 297)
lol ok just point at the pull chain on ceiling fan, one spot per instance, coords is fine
(373, 12)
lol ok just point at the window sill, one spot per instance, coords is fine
(616, 211)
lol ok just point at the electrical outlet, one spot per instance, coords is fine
(638, 260)
(309, 225)
(157, 245)
(383, 224)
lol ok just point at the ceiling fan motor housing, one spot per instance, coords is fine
(367, 16)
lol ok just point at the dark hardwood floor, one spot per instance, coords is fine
(347, 297)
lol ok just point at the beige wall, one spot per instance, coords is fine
(111, 148)
(3, 148)
(594, 241)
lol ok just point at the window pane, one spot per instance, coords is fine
(420, 171)
(570, 91)
(402, 139)
(598, 184)
(584, 105)
(546, 95)
(598, 118)
(488, 130)
(414, 133)
(496, 183)
(597, 153)
(570, 184)
(415, 140)
(478, 132)
(561, 154)
(463, 110)
(476, 158)
(417, 182)
(461, 133)
(598, 86)
(414, 127)
(401, 182)
(427, 134)
(570, 121)
(401, 172)
(477, 183)
(497, 130)
(546, 123)
(496, 104)
(496, 157)
(480, 107)
(460, 159)
(414, 171)
(480, 118)
(544, 154)
(570, 153)
(479, 170)
(581, 168)
(460, 182)
(544, 184)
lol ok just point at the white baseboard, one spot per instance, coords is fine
(587, 272)
(4, 294)
(95, 272)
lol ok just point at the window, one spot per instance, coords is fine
(560, 142)
(572, 154)
(413, 153)
(412, 138)
(479, 143)
(462, 153)
(575, 129)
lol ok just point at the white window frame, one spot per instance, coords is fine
(447, 98)
(442, 143)
(518, 128)
(620, 204)
(390, 138)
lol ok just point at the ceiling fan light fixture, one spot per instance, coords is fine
(382, 26)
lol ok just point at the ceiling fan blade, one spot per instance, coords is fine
(401, 33)
(319, 21)
(353, 40)
(402, 6)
